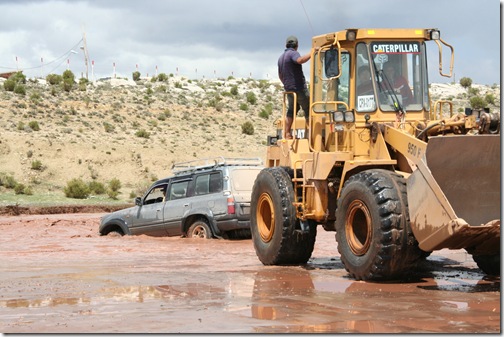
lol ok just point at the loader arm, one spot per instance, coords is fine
(453, 193)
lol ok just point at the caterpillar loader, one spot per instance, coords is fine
(394, 175)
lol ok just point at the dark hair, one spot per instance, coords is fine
(291, 45)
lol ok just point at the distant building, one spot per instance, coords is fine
(7, 75)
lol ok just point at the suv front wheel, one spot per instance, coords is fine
(199, 229)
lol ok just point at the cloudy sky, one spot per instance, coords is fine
(219, 38)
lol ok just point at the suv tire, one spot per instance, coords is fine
(199, 229)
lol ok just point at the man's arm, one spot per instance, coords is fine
(303, 59)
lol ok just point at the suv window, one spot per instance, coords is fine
(178, 190)
(156, 195)
(208, 183)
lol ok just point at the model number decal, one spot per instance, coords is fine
(414, 150)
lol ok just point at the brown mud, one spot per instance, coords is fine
(59, 275)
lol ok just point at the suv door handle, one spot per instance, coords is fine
(186, 205)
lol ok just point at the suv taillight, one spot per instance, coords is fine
(230, 205)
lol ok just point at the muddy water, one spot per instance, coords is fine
(58, 275)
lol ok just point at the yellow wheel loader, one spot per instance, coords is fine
(394, 176)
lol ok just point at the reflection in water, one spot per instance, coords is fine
(294, 299)
(296, 302)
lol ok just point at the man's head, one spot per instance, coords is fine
(291, 42)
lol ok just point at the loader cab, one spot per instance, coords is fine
(371, 76)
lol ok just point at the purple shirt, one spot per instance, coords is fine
(291, 72)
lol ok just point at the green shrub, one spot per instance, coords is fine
(136, 76)
(490, 99)
(234, 90)
(251, 98)
(248, 128)
(477, 102)
(68, 75)
(37, 165)
(114, 187)
(77, 189)
(96, 187)
(19, 188)
(20, 89)
(34, 125)
(9, 85)
(109, 128)
(142, 133)
(54, 79)
(162, 77)
(68, 85)
(244, 106)
(7, 180)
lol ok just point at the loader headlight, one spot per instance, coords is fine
(346, 116)
(338, 116)
(435, 34)
(349, 117)
(351, 34)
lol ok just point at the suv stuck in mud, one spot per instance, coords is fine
(204, 198)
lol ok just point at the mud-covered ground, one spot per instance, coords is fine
(59, 275)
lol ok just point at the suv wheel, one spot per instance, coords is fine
(199, 229)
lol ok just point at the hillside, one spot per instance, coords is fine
(135, 131)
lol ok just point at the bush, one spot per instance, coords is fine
(477, 102)
(20, 89)
(490, 99)
(9, 85)
(34, 125)
(465, 82)
(142, 133)
(54, 79)
(136, 75)
(7, 181)
(37, 165)
(248, 128)
(234, 90)
(77, 189)
(251, 98)
(96, 187)
(114, 187)
(19, 189)
(162, 77)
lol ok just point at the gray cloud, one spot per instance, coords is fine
(201, 38)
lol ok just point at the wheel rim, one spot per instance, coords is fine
(358, 228)
(265, 216)
(199, 232)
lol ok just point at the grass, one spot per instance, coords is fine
(8, 197)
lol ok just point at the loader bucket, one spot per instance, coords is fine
(455, 201)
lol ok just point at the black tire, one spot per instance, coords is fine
(373, 231)
(276, 232)
(199, 230)
(489, 264)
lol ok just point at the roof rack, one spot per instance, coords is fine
(204, 163)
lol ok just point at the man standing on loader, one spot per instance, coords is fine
(290, 72)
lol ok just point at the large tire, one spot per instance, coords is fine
(199, 230)
(276, 232)
(489, 264)
(373, 231)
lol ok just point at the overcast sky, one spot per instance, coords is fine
(219, 38)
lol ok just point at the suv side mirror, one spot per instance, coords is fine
(331, 63)
(138, 201)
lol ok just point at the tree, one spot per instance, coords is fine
(465, 82)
